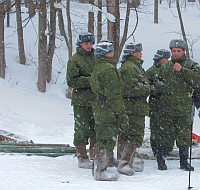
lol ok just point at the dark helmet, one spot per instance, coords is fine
(85, 37)
(161, 53)
(103, 47)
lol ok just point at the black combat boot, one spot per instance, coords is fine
(161, 154)
(183, 154)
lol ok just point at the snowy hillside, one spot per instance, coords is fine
(48, 117)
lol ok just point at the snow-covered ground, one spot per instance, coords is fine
(48, 117)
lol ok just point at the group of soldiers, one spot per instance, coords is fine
(110, 105)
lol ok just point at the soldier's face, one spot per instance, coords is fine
(110, 55)
(138, 54)
(177, 52)
(87, 46)
(163, 60)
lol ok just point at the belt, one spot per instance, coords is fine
(135, 97)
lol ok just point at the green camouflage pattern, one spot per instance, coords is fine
(108, 108)
(176, 103)
(154, 103)
(135, 85)
(155, 93)
(79, 69)
(177, 86)
(83, 125)
(174, 128)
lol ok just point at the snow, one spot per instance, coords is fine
(48, 117)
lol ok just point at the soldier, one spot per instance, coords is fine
(79, 70)
(160, 58)
(136, 89)
(178, 76)
(108, 109)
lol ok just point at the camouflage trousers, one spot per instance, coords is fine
(135, 131)
(174, 128)
(83, 124)
(106, 125)
(154, 120)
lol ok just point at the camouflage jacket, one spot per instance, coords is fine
(79, 69)
(177, 86)
(136, 86)
(105, 81)
(155, 86)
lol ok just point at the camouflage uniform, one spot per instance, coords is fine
(154, 102)
(176, 107)
(79, 70)
(136, 89)
(108, 108)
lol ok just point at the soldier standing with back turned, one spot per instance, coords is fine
(136, 89)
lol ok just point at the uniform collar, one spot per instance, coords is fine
(83, 52)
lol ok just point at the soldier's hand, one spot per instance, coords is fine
(177, 66)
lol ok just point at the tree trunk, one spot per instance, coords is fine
(182, 26)
(31, 9)
(22, 58)
(62, 26)
(91, 19)
(134, 3)
(69, 28)
(8, 4)
(99, 22)
(2, 46)
(156, 11)
(42, 47)
(51, 46)
(116, 31)
(124, 37)
(69, 91)
(110, 26)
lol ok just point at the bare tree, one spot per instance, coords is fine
(42, 47)
(51, 45)
(156, 11)
(125, 32)
(2, 46)
(134, 3)
(31, 8)
(110, 26)
(182, 25)
(8, 5)
(69, 91)
(116, 31)
(91, 19)
(69, 28)
(62, 26)
(99, 22)
(22, 58)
